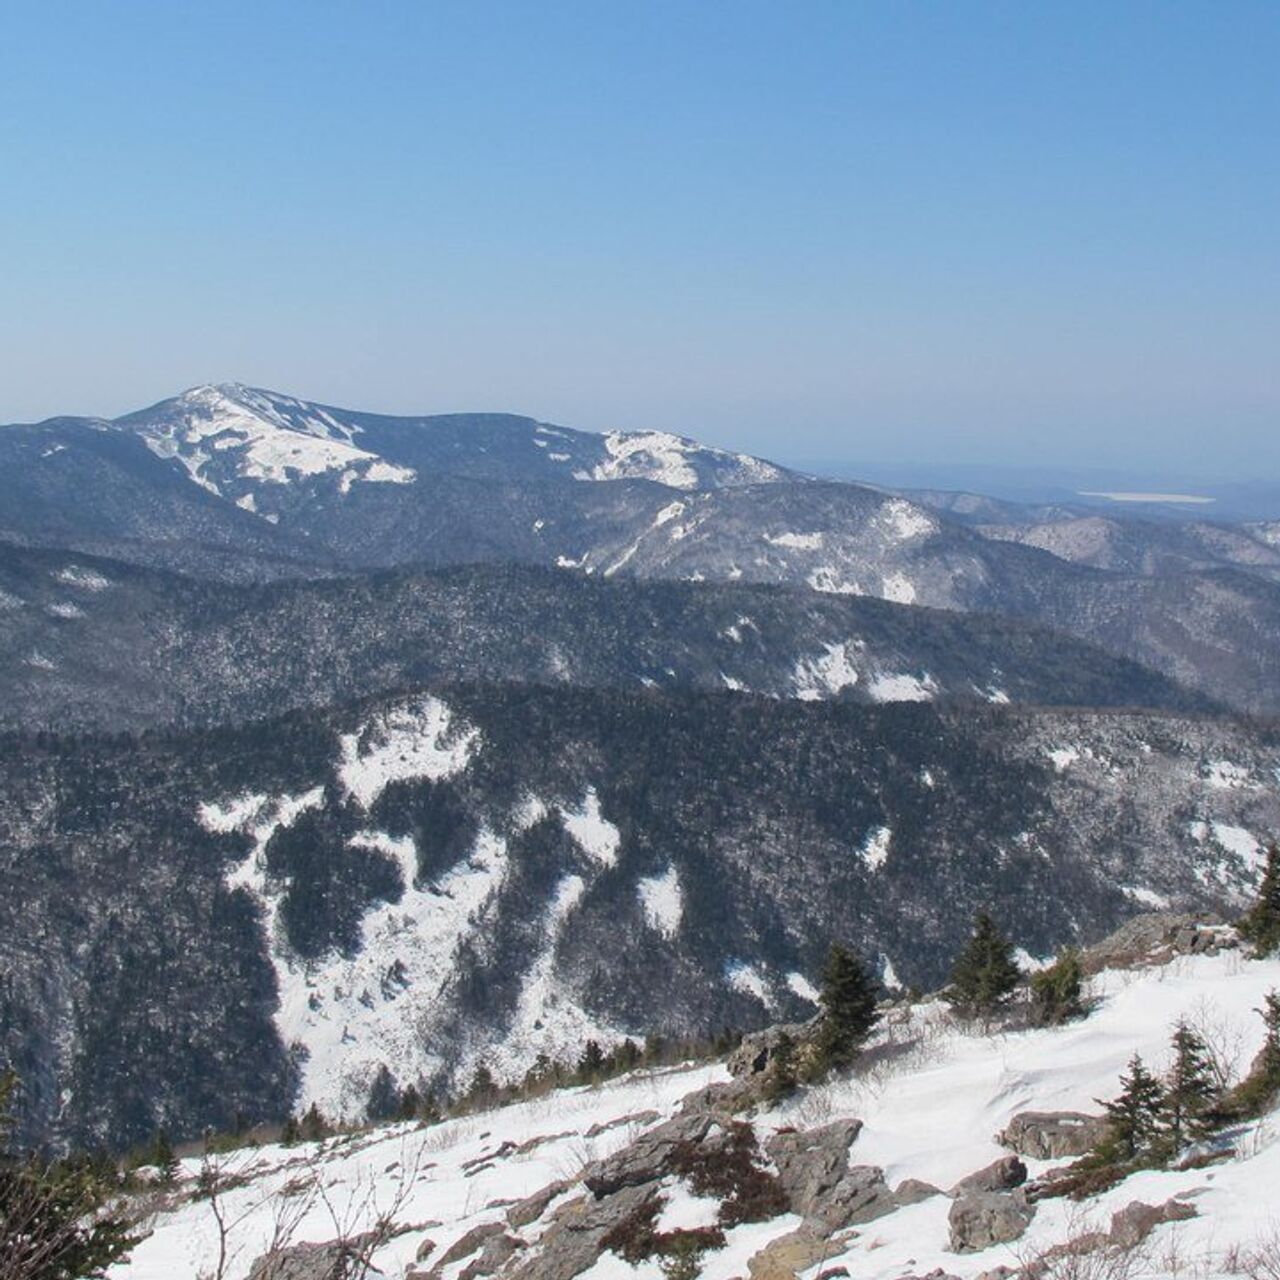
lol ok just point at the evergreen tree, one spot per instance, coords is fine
(1261, 925)
(410, 1102)
(591, 1064)
(1190, 1090)
(290, 1133)
(314, 1127)
(164, 1159)
(848, 1007)
(483, 1090)
(1259, 1090)
(1057, 993)
(1269, 1057)
(985, 973)
(384, 1099)
(1134, 1118)
(55, 1223)
(626, 1056)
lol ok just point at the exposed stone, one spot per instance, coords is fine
(309, 1261)
(1136, 1221)
(1003, 1175)
(1051, 1135)
(635, 1118)
(498, 1250)
(785, 1257)
(467, 1244)
(646, 1158)
(811, 1161)
(1157, 937)
(571, 1243)
(531, 1208)
(983, 1218)
(425, 1249)
(756, 1053)
(912, 1191)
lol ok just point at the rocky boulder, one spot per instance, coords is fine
(984, 1218)
(1156, 938)
(1052, 1135)
(1005, 1174)
(645, 1160)
(1136, 1221)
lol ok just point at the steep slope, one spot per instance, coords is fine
(928, 1106)
(201, 924)
(92, 643)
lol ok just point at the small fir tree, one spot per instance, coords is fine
(1190, 1090)
(1258, 1092)
(165, 1159)
(1134, 1118)
(848, 1007)
(314, 1127)
(290, 1133)
(384, 1098)
(1261, 925)
(1057, 993)
(985, 973)
(483, 1090)
(591, 1064)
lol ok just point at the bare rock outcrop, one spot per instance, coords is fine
(984, 1218)
(1052, 1135)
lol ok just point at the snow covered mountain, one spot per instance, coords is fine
(534, 1189)
(249, 920)
(234, 484)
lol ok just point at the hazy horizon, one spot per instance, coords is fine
(982, 234)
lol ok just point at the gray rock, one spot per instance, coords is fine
(571, 1243)
(498, 1250)
(328, 1261)
(1136, 1221)
(755, 1054)
(646, 1158)
(984, 1218)
(912, 1191)
(811, 1161)
(637, 1118)
(813, 1167)
(1005, 1174)
(1051, 1135)
(531, 1208)
(467, 1244)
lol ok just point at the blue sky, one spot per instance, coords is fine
(1015, 233)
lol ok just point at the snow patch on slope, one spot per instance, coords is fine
(417, 739)
(595, 834)
(827, 674)
(901, 687)
(662, 901)
(875, 848)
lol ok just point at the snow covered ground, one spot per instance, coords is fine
(933, 1116)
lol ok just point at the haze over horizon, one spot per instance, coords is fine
(982, 235)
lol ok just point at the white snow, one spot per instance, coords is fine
(901, 687)
(875, 848)
(802, 986)
(417, 739)
(797, 541)
(662, 901)
(746, 978)
(826, 674)
(996, 695)
(65, 609)
(1062, 757)
(829, 579)
(84, 579)
(595, 834)
(1225, 776)
(902, 520)
(931, 1114)
(37, 660)
(269, 446)
(668, 513)
(898, 588)
(669, 460)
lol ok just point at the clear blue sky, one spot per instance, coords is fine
(962, 231)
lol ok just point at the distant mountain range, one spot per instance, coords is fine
(238, 485)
